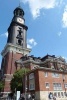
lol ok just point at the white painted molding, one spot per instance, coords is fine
(15, 48)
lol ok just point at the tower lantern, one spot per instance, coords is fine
(19, 12)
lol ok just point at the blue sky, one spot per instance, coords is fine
(46, 21)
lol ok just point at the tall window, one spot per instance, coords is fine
(46, 74)
(55, 94)
(62, 94)
(20, 33)
(31, 82)
(57, 86)
(59, 95)
(19, 42)
(47, 85)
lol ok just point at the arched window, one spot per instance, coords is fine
(20, 13)
(20, 33)
(19, 42)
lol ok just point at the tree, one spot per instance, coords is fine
(16, 82)
(1, 85)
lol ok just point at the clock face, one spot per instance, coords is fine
(20, 20)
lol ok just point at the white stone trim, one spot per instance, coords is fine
(16, 49)
(5, 92)
(8, 77)
(7, 80)
(8, 74)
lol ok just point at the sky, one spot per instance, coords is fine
(47, 25)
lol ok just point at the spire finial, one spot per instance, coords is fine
(19, 3)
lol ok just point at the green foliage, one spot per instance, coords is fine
(1, 85)
(16, 82)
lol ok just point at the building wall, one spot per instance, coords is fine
(7, 86)
(50, 79)
(10, 59)
(41, 91)
(9, 68)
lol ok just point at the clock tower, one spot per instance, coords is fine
(15, 48)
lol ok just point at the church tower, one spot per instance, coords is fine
(16, 46)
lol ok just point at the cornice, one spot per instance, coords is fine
(16, 49)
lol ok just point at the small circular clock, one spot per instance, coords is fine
(20, 20)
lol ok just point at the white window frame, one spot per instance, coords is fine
(57, 87)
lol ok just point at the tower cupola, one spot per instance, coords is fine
(19, 12)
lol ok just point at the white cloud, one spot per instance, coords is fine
(64, 18)
(59, 33)
(31, 43)
(29, 46)
(4, 34)
(37, 5)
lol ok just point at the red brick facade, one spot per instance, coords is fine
(9, 67)
(41, 80)
(53, 73)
